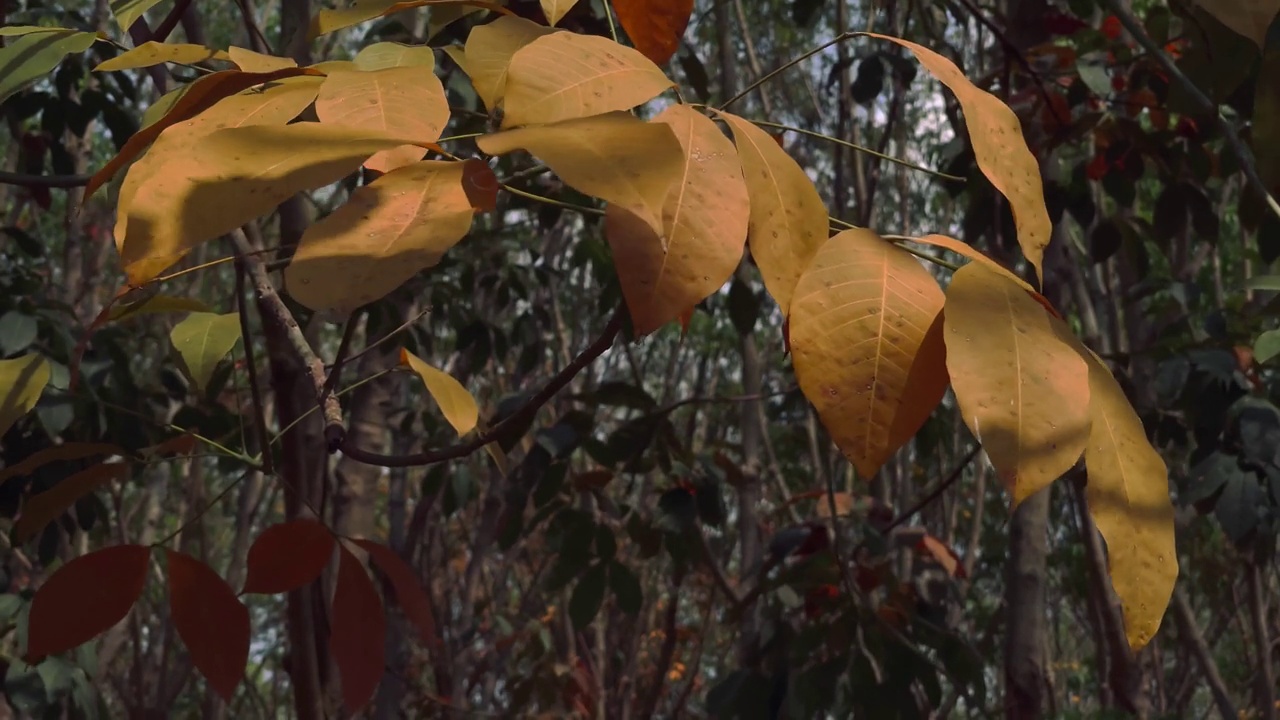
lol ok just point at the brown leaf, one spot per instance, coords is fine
(488, 51)
(655, 26)
(66, 451)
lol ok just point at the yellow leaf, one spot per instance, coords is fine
(615, 157)
(973, 253)
(565, 75)
(22, 380)
(326, 21)
(487, 54)
(275, 105)
(1128, 498)
(404, 101)
(202, 340)
(380, 56)
(788, 217)
(1000, 149)
(256, 62)
(154, 53)
(704, 226)
(866, 341)
(228, 178)
(389, 231)
(127, 12)
(41, 509)
(555, 10)
(442, 16)
(455, 402)
(1021, 386)
(1250, 18)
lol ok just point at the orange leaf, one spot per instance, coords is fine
(402, 101)
(943, 553)
(327, 21)
(66, 451)
(486, 57)
(410, 594)
(287, 556)
(866, 341)
(969, 251)
(654, 26)
(1001, 152)
(704, 223)
(39, 510)
(85, 598)
(183, 444)
(200, 96)
(358, 632)
(211, 620)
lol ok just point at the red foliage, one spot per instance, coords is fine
(287, 556)
(412, 598)
(84, 598)
(211, 621)
(358, 632)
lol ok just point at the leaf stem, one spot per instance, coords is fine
(859, 148)
(549, 201)
(787, 65)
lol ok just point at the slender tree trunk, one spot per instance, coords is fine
(1025, 584)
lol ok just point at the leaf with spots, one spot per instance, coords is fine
(155, 53)
(866, 341)
(486, 57)
(405, 101)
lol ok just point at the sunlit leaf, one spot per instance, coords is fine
(211, 620)
(66, 451)
(615, 157)
(155, 53)
(565, 75)
(41, 509)
(358, 629)
(127, 12)
(1022, 388)
(383, 55)
(203, 339)
(788, 217)
(31, 56)
(654, 26)
(704, 222)
(85, 598)
(287, 556)
(327, 20)
(1128, 498)
(458, 406)
(969, 251)
(405, 101)
(390, 230)
(1250, 18)
(228, 178)
(410, 595)
(555, 10)
(866, 340)
(488, 51)
(256, 62)
(22, 380)
(1001, 152)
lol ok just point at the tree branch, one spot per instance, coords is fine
(501, 430)
(46, 181)
(166, 26)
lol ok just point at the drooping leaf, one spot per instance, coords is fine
(410, 594)
(42, 509)
(85, 598)
(704, 228)
(32, 55)
(615, 157)
(203, 339)
(390, 230)
(329, 20)
(488, 51)
(127, 12)
(199, 96)
(66, 451)
(866, 340)
(256, 62)
(228, 178)
(1250, 18)
(1022, 388)
(562, 76)
(788, 217)
(383, 55)
(458, 406)
(358, 632)
(406, 101)
(154, 53)
(587, 596)
(654, 26)
(555, 10)
(969, 251)
(287, 556)
(1000, 150)
(1128, 498)
(211, 620)
(22, 381)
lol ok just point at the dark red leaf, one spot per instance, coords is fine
(66, 451)
(84, 598)
(358, 632)
(287, 556)
(41, 509)
(412, 598)
(211, 621)
(654, 26)
(1111, 27)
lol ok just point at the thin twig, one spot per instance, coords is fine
(166, 26)
(43, 181)
(251, 366)
(335, 372)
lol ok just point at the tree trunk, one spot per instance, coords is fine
(1025, 638)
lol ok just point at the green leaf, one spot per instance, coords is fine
(17, 332)
(588, 594)
(128, 12)
(33, 55)
(22, 380)
(1263, 282)
(626, 588)
(203, 339)
(1267, 346)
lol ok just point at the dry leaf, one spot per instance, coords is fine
(555, 10)
(655, 26)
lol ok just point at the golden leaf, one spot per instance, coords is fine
(22, 381)
(973, 253)
(704, 228)
(1000, 150)
(406, 101)
(1021, 386)
(866, 341)
(487, 54)
(788, 217)
(458, 406)
(565, 75)
(153, 53)
(327, 20)
(382, 55)
(389, 231)
(257, 62)
(556, 9)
